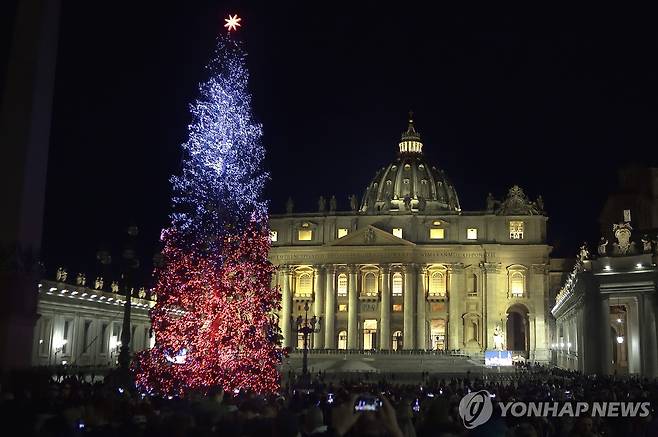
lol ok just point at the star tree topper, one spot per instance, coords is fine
(232, 22)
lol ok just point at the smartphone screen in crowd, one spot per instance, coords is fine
(367, 403)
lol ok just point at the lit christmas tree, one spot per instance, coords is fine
(214, 320)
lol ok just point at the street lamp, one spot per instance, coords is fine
(306, 326)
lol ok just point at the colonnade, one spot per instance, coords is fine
(414, 302)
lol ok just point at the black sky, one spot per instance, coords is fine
(554, 108)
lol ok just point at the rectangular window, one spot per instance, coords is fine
(437, 234)
(397, 284)
(472, 234)
(517, 284)
(305, 235)
(274, 236)
(104, 338)
(516, 230)
(342, 307)
(472, 284)
(146, 338)
(342, 232)
(86, 336)
(397, 307)
(66, 337)
(397, 232)
(115, 338)
(342, 284)
(44, 336)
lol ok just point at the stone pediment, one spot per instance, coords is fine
(370, 236)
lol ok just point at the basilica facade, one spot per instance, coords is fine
(408, 269)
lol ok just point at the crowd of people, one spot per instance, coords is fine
(72, 405)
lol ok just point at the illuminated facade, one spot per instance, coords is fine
(408, 269)
(605, 311)
(81, 325)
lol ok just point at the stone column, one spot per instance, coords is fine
(649, 348)
(580, 338)
(385, 309)
(352, 307)
(532, 334)
(318, 305)
(286, 307)
(421, 313)
(330, 308)
(25, 117)
(536, 292)
(409, 292)
(456, 292)
(490, 296)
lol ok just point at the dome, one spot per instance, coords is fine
(410, 183)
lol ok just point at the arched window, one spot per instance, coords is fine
(304, 285)
(342, 284)
(517, 284)
(437, 284)
(370, 284)
(342, 340)
(397, 284)
(397, 340)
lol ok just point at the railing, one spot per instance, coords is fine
(424, 352)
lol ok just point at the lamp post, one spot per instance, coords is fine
(129, 264)
(306, 326)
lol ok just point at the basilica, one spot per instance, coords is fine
(404, 272)
(407, 269)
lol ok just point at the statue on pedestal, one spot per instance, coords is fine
(498, 338)
(332, 204)
(322, 204)
(603, 243)
(61, 274)
(583, 253)
(98, 283)
(114, 286)
(490, 202)
(422, 204)
(81, 279)
(646, 244)
(407, 202)
(353, 203)
(289, 205)
(540, 204)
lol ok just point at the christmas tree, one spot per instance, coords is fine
(214, 320)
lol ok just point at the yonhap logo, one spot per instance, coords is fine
(475, 408)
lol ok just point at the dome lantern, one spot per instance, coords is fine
(410, 141)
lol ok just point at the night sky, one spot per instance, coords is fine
(554, 110)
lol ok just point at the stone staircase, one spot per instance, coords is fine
(350, 363)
